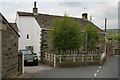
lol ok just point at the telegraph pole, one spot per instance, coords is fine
(105, 24)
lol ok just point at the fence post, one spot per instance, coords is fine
(45, 56)
(49, 57)
(91, 57)
(74, 57)
(54, 60)
(60, 58)
(23, 63)
(82, 57)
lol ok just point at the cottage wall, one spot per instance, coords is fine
(46, 46)
(9, 52)
(27, 25)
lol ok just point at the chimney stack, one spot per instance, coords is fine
(35, 9)
(84, 16)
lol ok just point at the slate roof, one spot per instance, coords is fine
(45, 20)
(4, 21)
(14, 25)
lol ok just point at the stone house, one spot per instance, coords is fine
(113, 47)
(8, 48)
(38, 25)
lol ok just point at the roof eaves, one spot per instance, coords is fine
(24, 14)
(31, 14)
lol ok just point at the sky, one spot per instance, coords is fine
(98, 9)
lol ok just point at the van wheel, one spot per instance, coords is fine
(36, 63)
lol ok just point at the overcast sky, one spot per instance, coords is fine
(99, 9)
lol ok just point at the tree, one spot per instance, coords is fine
(115, 36)
(92, 36)
(66, 34)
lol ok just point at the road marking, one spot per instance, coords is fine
(98, 70)
(95, 74)
(41, 68)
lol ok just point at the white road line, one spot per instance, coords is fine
(98, 70)
(95, 74)
(41, 68)
(100, 67)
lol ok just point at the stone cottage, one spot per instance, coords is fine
(34, 29)
(8, 48)
(113, 47)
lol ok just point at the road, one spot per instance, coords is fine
(108, 70)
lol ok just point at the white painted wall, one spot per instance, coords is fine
(0, 54)
(29, 25)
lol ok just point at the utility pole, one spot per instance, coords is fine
(105, 24)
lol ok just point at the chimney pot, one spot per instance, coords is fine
(84, 16)
(35, 9)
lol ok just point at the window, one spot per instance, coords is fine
(15, 44)
(9, 49)
(10, 53)
(27, 36)
(6, 54)
(44, 40)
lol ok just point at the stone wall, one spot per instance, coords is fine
(45, 42)
(0, 57)
(117, 51)
(111, 47)
(9, 52)
(20, 69)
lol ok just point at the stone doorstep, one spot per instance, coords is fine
(19, 77)
(24, 76)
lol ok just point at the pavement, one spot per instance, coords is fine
(24, 76)
(108, 70)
